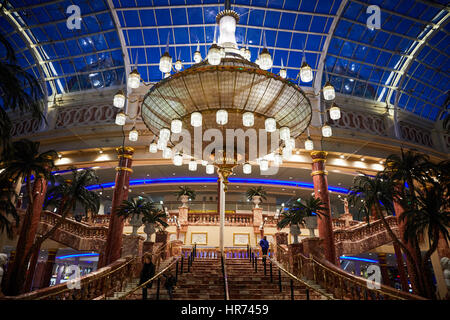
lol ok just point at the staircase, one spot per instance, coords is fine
(246, 284)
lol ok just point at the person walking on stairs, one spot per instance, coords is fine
(147, 272)
(264, 247)
(170, 284)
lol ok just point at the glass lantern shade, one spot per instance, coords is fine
(209, 169)
(265, 60)
(196, 119)
(119, 100)
(248, 119)
(178, 65)
(264, 165)
(285, 133)
(176, 126)
(335, 112)
(283, 73)
(247, 168)
(162, 144)
(287, 153)
(121, 119)
(178, 160)
(214, 55)
(164, 134)
(326, 131)
(328, 91)
(153, 148)
(306, 73)
(167, 153)
(192, 165)
(197, 57)
(165, 63)
(134, 135)
(309, 144)
(134, 78)
(222, 117)
(270, 125)
(204, 163)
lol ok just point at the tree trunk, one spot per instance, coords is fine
(427, 277)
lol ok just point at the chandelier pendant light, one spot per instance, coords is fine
(165, 63)
(133, 135)
(326, 131)
(176, 126)
(192, 165)
(196, 119)
(247, 168)
(121, 118)
(270, 125)
(309, 144)
(134, 79)
(214, 55)
(222, 117)
(306, 73)
(265, 60)
(328, 91)
(248, 119)
(153, 148)
(335, 112)
(119, 100)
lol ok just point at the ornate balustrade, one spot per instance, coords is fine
(23, 127)
(416, 135)
(364, 230)
(361, 121)
(234, 219)
(84, 116)
(339, 223)
(101, 219)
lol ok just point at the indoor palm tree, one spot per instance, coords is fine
(185, 191)
(255, 194)
(135, 209)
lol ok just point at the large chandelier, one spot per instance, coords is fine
(226, 90)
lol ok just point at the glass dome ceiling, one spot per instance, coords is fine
(409, 51)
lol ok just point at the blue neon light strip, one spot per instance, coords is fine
(358, 259)
(185, 180)
(78, 255)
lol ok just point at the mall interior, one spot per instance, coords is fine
(185, 132)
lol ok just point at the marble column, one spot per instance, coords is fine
(113, 248)
(325, 226)
(48, 269)
(401, 267)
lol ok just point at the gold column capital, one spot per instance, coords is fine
(319, 155)
(124, 169)
(319, 172)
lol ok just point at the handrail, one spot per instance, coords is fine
(225, 278)
(156, 276)
(319, 291)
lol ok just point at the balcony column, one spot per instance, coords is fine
(325, 226)
(113, 248)
(258, 226)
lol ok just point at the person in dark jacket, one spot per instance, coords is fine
(170, 284)
(147, 272)
(264, 247)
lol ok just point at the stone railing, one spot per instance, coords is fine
(339, 223)
(235, 219)
(84, 116)
(416, 135)
(360, 121)
(23, 127)
(101, 219)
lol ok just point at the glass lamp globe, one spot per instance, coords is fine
(153, 148)
(283, 73)
(214, 55)
(178, 160)
(197, 57)
(270, 125)
(196, 119)
(309, 144)
(121, 118)
(326, 131)
(248, 119)
(285, 133)
(265, 60)
(165, 63)
(335, 112)
(119, 100)
(176, 126)
(167, 153)
(192, 165)
(134, 78)
(162, 144)
(178, 65)
(222, 117)
(247, 168)
(328, 91)
(264, 165)
(133, 136)
(287, 153)
(204, 163)
(164, 134)
(306, 74)
(209, 169)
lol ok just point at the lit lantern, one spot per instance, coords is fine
(162, 144)
(133, 136)
(335, 112)
(270, 125)
(192, 165)
(176, 126)
(328, 91)
(278, 160)
(153, 148)
(178, 65)
(309, 144)
(177, 159)
(248, 119)
(222, 117)
(285, 133)
(265, 60)
(167, 153)
(164, 134)
(214, 55)
(283, 73)
(209, 169)
(197, 57)
(247, 168)
(287, 153)
(121, 118)
(196, 119)
(306, 74)
(204, 163)
(326, 131)
(134, 78)
(119, 100)
(165, 63)
(264, 165)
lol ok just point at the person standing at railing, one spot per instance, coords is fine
(147, 272)
(264, 247)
